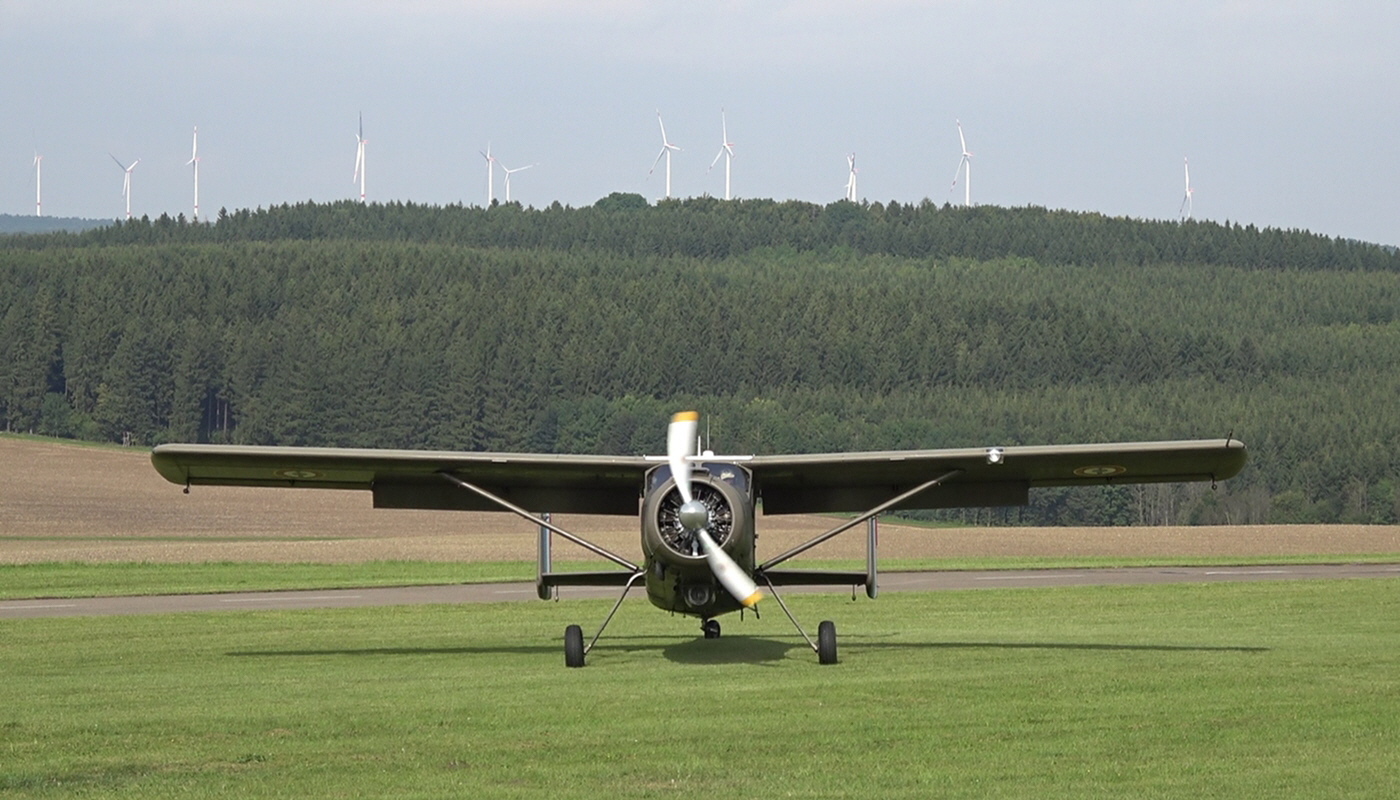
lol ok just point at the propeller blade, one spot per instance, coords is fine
(680, 445)
(735, 580)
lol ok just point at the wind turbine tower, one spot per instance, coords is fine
(851, 181)
(666, 148)
(508, 171)
(490, 175)
(194, 160)
(965, 168)
(126, 181)
(726, 149)
(1185, 210)
(360, 142)
(38, 185)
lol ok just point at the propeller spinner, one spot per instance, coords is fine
(695, 515)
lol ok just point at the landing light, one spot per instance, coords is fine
(995, 455)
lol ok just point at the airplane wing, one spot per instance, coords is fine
(411, 478)
(591, 484)
(840, 482)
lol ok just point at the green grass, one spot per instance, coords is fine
(83, 579)
(1278, 689)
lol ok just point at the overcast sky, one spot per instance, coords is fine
(1288, 111)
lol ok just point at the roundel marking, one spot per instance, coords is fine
(1100, 471)
(297, 474)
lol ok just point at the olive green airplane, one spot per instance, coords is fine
(697, 509)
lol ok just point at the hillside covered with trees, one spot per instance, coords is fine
(792, 327)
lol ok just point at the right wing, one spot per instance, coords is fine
(578, 484)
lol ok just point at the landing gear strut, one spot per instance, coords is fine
(574, 648)
(825, 645)
(710, 627)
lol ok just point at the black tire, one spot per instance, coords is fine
(711, 628)
(826, 642)
(573, 646)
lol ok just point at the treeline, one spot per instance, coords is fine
(625, 224)
(393, 343)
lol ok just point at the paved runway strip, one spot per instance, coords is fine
(509, 592)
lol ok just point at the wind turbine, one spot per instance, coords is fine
(194, 159)
(851, 181)
(38, 185)
(1185, 210)
(490, 175)
(666, 148)
(964, 167)
(508, 171)
(726, 149)
(126, 182)
(360, 158)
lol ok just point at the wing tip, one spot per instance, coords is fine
(686, 416)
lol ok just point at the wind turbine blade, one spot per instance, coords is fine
(657, 161)
(119, 163)
(961, 139)
(717, 158)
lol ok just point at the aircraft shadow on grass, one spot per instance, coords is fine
(740, 649)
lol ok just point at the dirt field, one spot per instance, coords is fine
(62, 502)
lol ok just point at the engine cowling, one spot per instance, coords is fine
(730, 522)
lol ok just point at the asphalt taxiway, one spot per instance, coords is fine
(512, 592)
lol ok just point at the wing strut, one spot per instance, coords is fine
(845, 526)
(518, 511)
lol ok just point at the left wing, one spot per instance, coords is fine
(857, 481)
(412, 479)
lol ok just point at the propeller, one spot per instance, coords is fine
(695, 517)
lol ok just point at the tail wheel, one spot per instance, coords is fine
(826, 642)
(573, 646)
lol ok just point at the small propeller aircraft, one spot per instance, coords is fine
(697, 509)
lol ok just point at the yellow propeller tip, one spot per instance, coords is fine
(686, 416)
(753, 599)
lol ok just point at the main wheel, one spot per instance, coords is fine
(711, 628)
(573, 646)
(826, 642)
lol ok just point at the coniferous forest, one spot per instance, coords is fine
(792, 327)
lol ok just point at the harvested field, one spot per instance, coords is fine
(68, 502)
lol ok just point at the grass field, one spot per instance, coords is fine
(1220, 690)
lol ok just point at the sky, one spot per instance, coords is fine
(1287, 110)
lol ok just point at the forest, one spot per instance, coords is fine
(792, 327)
